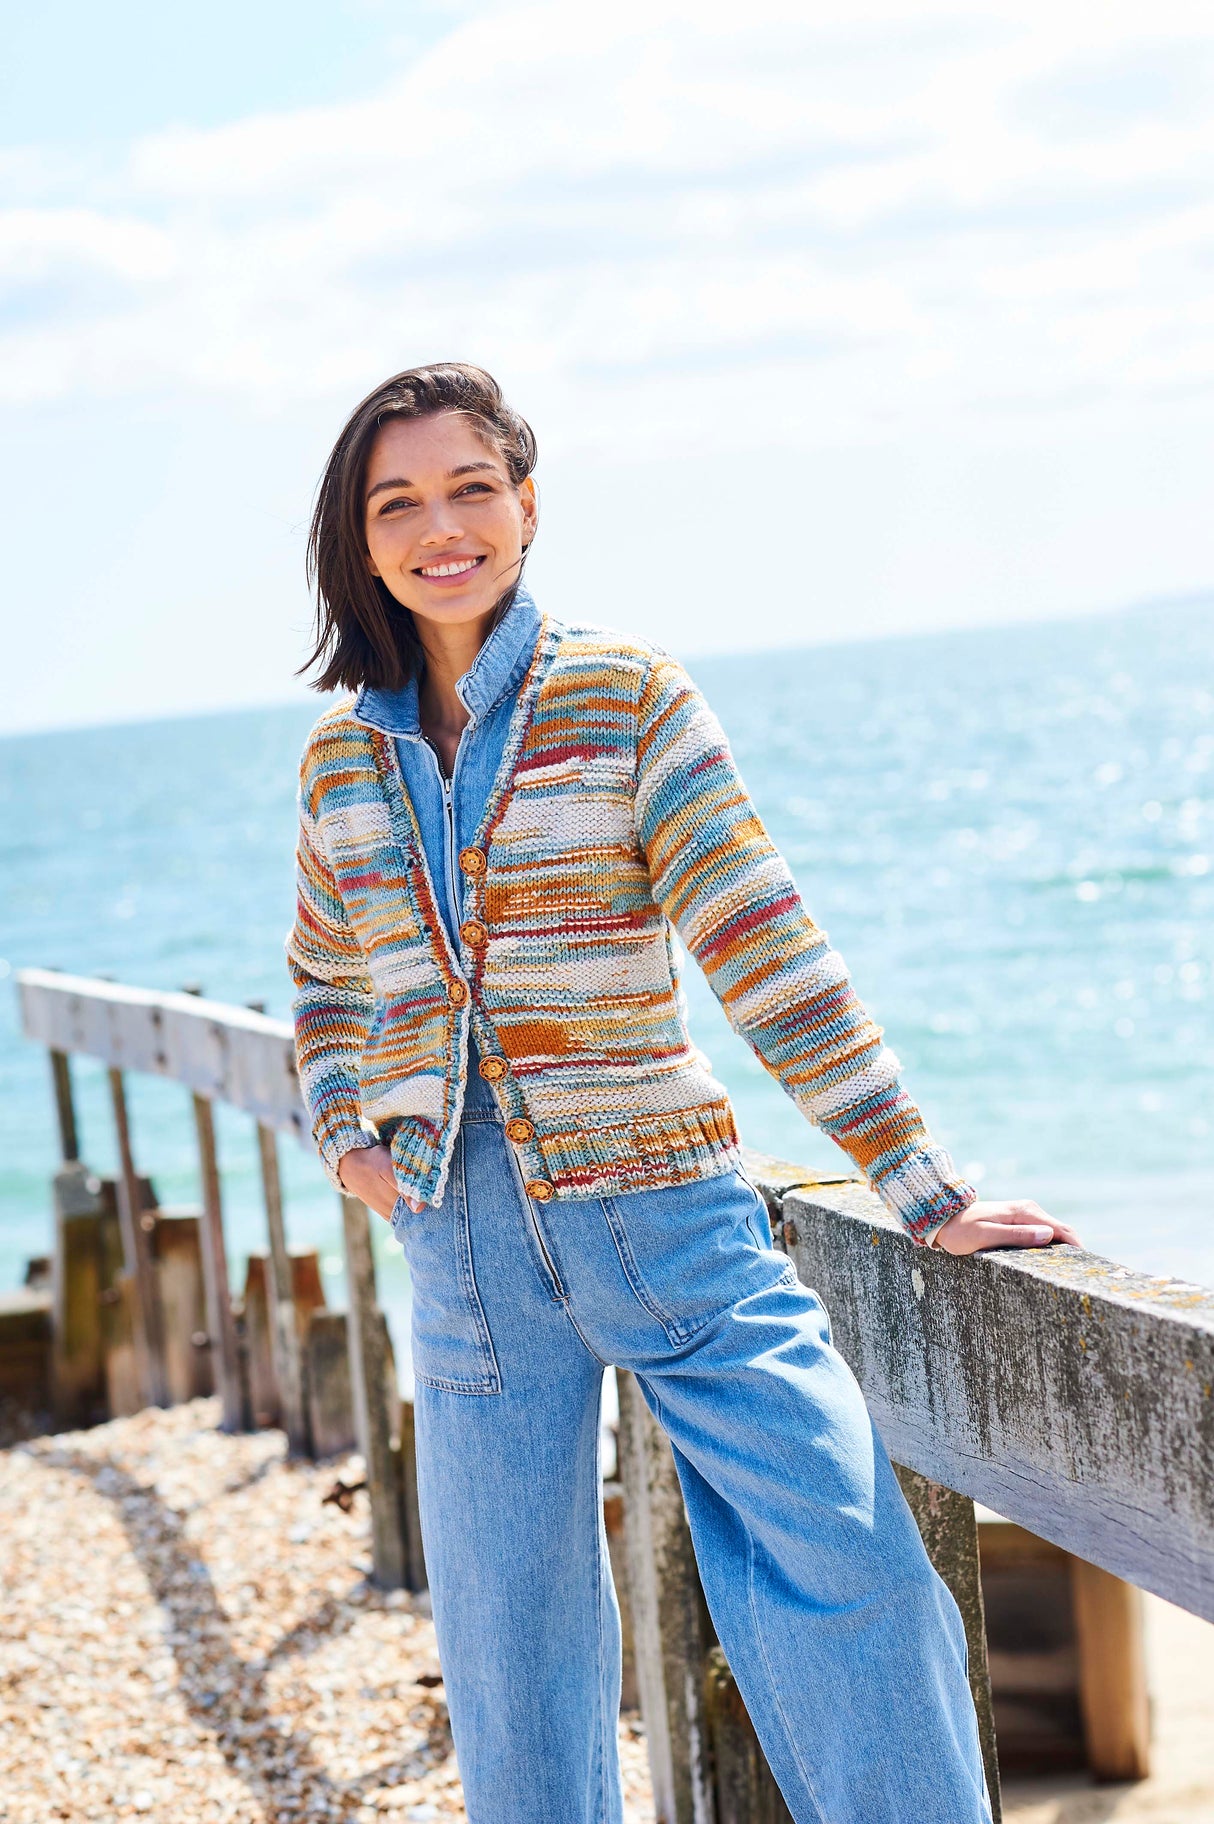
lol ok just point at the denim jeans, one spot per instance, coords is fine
(848, 1650)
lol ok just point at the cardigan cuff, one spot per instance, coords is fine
(924, 1192)
(337, 1143)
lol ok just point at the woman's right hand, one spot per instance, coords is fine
(366, 1172)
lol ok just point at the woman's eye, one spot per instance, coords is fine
(476, 487)
(389, 506)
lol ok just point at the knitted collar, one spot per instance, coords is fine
(496, 670)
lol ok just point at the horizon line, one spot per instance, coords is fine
(1191, 598)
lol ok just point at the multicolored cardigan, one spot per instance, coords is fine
(617, 814)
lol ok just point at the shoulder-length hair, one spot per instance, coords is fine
(362, 633)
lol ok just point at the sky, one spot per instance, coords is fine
(833, 318)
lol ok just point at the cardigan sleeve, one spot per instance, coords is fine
(334, 1004)
(721, 881)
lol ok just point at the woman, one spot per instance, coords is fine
(497, 833)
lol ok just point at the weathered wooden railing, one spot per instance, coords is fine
(238, 1056)
(1073, 1396)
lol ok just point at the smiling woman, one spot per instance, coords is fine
(499, 834)
(426, 500)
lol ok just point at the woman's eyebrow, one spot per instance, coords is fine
(401, 481)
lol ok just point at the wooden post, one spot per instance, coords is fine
(950, 1532)
(265, 1406)
(137, 1224)
(77, 1351)
(376, 1401)
(613, 1521)
(284, 1333)
(65, 1107)
(746, 1790)
(221, 1321)
(180, 1287)
(1112, 1673)
(327, 1379)
(415, 1559)
(671, 1629)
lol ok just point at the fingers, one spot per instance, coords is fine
(1015, 1224)
(1014, 1234)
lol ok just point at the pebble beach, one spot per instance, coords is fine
(188, 1634)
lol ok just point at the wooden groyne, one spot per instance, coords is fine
(1070, 1395)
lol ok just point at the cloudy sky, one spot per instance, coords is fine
(833, 317)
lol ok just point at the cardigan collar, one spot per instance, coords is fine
(498, 668)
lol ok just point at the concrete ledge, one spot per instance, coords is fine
(1068, 1393)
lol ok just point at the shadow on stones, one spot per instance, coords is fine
(225, 1694)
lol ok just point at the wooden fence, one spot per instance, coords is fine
(1073, 1396)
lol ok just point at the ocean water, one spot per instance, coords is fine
(1008, 833)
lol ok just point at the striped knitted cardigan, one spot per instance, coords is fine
(617, 814)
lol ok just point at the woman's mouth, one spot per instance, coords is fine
(450, 570)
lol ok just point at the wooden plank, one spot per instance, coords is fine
(285, 1340)
(950, 1533)
(671, 1629)
(264, 1403)
(230, 1054)
(25, 1350)
(177, 1241)
(613, 1521)
(136, 1224)
(65, 1107)
(1112, 1674)
(221, 1322)
(77, 1353)
(331, 1430)
(415, 1557)
(745, 1788)
(376, 1399)
(1067, 1393)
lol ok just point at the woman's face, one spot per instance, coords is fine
(445, 525)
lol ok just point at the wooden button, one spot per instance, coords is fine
(472, 861)
(539, 1190)
(493, 1069)
(457, 993)
(474, 933)
(520, 1130)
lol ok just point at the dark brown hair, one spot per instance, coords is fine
(363, 634)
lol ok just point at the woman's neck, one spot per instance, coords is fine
(450, 651)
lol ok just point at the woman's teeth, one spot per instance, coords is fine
(467, 563)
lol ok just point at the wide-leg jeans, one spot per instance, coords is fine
(848, 1649)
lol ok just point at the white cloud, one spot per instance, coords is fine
(663, 218)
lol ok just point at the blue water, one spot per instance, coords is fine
(1007, 833)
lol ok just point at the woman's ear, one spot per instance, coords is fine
(531, 508)
(371, 564)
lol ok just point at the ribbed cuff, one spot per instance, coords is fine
(334, 1148)
(924, 1192)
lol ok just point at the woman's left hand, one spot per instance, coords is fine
(1019, 1224)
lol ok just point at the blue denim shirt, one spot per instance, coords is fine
(448, 811)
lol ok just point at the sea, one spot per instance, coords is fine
(1008, 833)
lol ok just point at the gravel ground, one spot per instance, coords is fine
(188, 1635)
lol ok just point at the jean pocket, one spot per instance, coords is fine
(452, 1348)
(691, 1251)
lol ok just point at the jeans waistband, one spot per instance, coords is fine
(482, 1114)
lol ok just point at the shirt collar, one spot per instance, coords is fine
(497, 669)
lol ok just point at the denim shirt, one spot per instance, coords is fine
(449, 811)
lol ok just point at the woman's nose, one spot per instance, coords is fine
(441, 525)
